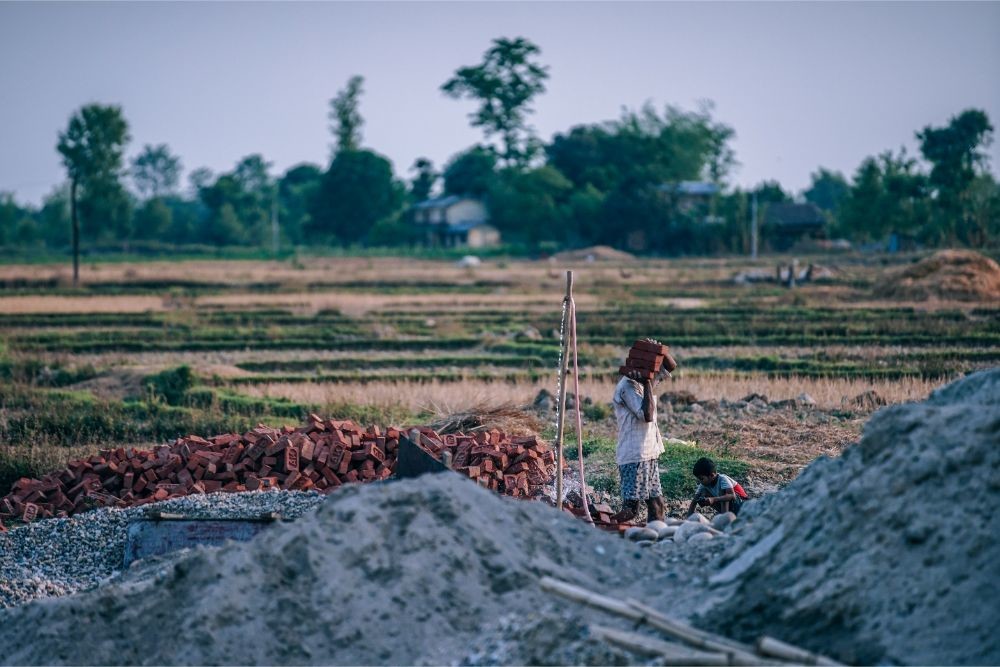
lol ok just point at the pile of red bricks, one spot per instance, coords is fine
(321, 455)
(515, 466)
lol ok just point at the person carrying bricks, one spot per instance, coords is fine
(639, 441)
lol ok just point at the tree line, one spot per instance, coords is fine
(610, 183)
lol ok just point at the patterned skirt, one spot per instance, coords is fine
(640, 480)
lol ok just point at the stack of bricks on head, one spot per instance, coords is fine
(647, 358)
(320, 455)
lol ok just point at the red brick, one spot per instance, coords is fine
(291, 458)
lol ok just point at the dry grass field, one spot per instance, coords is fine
(147, 351)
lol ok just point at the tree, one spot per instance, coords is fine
(153, 219)
(957, 158)
(345, 117)
(423, 182)
(357, 191)
(471, 173)
(888, 196)
(771, 192)
(504, 84)
(296, 192)
(828, 190)
(531, 206)
(155, 171)
(91, 149)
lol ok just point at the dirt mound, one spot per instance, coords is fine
(963, 275)
(888, 554)
(389, 573)
(597, 253)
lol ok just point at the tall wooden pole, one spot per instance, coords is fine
(76, 234)
(561, 400)
(579, 419)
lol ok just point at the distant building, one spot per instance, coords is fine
(455, 221)
(693, 198)
(784, 224)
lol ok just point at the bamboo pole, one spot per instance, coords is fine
(734, 653)
(561, 401)
(667, 652)
(579, 419)
(779, 649)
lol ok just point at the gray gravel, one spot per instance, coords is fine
(55, 557)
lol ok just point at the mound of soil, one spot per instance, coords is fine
(393, 573)
(597, 253)
(963, 275)
(888, 554)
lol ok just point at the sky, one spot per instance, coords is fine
(803, 84)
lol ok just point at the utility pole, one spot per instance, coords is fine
(753, 227)
(274, 223)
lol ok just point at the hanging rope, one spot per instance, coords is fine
(579, 419)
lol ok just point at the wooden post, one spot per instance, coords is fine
(76, 233)
(561, 400)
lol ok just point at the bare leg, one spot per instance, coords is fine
(629, 509)
(655, 509)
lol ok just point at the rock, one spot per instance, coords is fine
(700, 537)
(645, 543)
(667, 531)
(637, 533)
(656, 525)
(750, 398)
(722, 521)
(673, 521)
(528, 333)
(806, 399)
(695, 408)
(698, 517)
(689, 528)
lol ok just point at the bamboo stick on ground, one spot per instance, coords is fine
(579, 419)
(778, 649)
(669, 653)
(563, 367)
(736, 653)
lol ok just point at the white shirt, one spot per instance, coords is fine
(638, 440)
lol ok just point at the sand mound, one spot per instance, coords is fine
(392, 573)
(597, 253)
(888, 554)
(963, 275)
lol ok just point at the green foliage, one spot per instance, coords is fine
(356, 192)
(827, 190)
(504, 84)
(346, 120)
(531, 206)
(423, 182)
(171, 385)
(888, 196)
(471, 173)
(155, 171)
(153, 219)
(597, 411)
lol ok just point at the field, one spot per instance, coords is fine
(145, 352)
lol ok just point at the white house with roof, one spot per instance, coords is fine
(454, 221)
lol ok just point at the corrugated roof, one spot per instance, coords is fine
(795, 215)
(702, 188)
(439, 202)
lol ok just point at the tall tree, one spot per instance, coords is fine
(827, 190)
(957, 158)
(357, 191)
(504, 84)
(471, 172)
(155, 171)
(345, 117)
(423, 182)
(91, 149)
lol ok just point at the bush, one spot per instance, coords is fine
(171, 385)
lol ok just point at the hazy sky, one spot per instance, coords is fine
(804, 84)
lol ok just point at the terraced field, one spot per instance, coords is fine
(146, 352)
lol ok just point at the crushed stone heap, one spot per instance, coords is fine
(398, 572)
(890, 553)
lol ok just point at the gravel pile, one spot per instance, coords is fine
(888, 554)
(55, 557)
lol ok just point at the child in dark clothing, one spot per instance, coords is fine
(720, 492)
